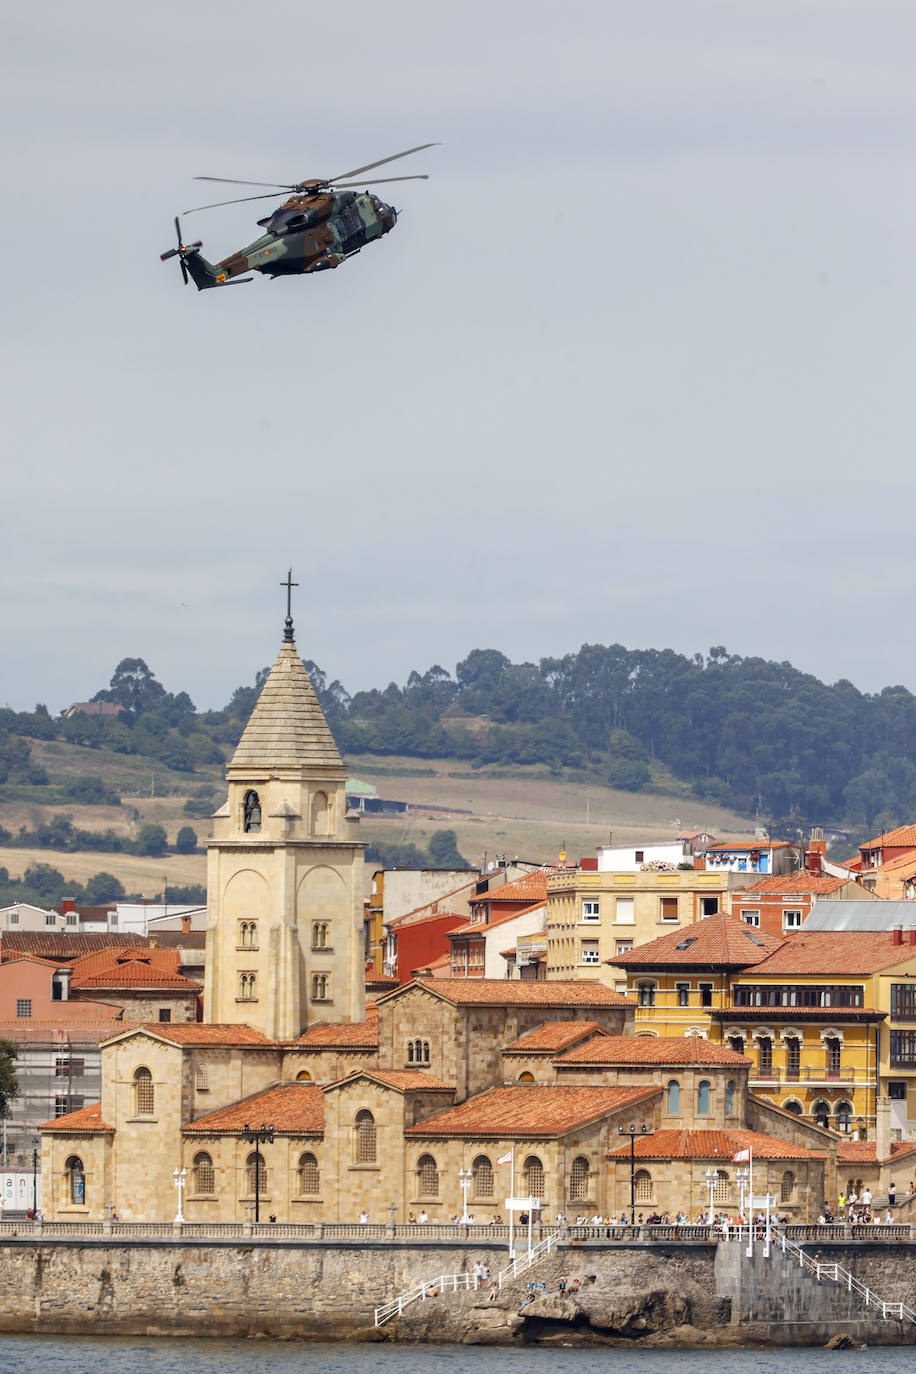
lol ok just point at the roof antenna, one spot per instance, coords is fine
(288, 626)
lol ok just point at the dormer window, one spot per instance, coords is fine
(252, 813)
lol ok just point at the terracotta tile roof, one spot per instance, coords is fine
(136, 976)
(794, 882)
(355, 1035)
(675, 1143)
(86, 1119)
(903, 836)
(287, 727)
(650, 1049)
(900, 867)
(292, 1109)
(405, 1080)
(720, 941)
(101, 960)
(419, 914)
(498, 918)
(529, 888)
(199, 1033)
(835, 952)
(64, 946)
(90, 1032)
(553, 1036)
(520, 992)
(530, 1110)
(866, 1151)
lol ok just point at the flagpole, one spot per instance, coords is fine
(750, 1215)
(512, 1208)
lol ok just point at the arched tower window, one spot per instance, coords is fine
(703, 1097)
(674, 1097)
(578, 1179)
(843, 1116)
(309, 1178)
(534, 1177)
(252, 1163)
(320, 814)
(365, 1138)
(483, 1177)
(787, 1187)
(428, 1173)
(203, 1177)
(526, 1077)
(76, 1181)
(144, 1093)
(251, 813)
(730, 1097)
(821, 1112)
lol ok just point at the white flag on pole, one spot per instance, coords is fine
(506, 1158)
(742, 1157)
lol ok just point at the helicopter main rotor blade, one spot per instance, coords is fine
(233, 181)
(270, 195)
(381, 162)
(377, 181)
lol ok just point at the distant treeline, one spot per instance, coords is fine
(761, 737)
(47, 887)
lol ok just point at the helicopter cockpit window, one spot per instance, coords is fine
(283, 220)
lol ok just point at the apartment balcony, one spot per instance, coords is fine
(803, 1075)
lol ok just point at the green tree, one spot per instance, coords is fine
(186, 840)
(443, 850)
(102, 888)
(133, 685)
(9, 1085)
(152, 840)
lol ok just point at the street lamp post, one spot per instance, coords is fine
(180, 1177)
(263, 1135)
(632, 1132)
(712, 1179)
(742, 1176)
(465, 1177)
(35, 1144)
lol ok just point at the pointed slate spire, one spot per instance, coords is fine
(287, 728)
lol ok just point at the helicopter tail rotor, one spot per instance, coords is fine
(182, 252)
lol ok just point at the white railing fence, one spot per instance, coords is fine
(453, 1283)
(526, 1260)
(838, 1274)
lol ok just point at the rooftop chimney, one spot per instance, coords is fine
(898, 935)
(186, 924)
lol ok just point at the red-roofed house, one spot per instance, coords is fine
(779, 904)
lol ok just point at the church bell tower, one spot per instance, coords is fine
(285, 945)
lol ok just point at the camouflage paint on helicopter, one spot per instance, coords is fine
(316, 229)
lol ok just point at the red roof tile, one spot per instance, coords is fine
(498, 918)
(90, 1032)
(675, 1143)
(404, 1080)
(530, 888)
(901, 838)
(530, 1110)
(65, 946)
(794, 882)
(292, 1109)
(520, 992)
(553, 1036)
(835, 952)
(354, 1035)
(720, 941)
(135, 976)
(650, 1049)
(198, 1033)
(86, 1119)
(866, 1151)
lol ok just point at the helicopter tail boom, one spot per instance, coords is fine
(203, 274)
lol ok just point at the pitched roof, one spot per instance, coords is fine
(497, 918)
(132, 970)
(291, 1108)
(553, 1036)
(794, 882)
(58, 1034)
(720, 941)
(676, 1143)
(835, 952)
(866, 1151)
(650, 1049)
(85, 1119)
(529, 888)
(520, 992)
(64, 945)
(198, 1033)
(404, 1080)
(287, 728)
(900, 838)
(530, 1109)
(339, 1035)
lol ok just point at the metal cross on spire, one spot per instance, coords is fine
(289, 584)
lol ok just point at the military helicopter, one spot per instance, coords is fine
(323, 223)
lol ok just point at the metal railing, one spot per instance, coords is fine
(430, 1288)
(524, 1261)
(839, 1275)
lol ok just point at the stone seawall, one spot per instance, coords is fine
(674, 1294)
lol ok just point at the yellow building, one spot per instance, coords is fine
(810, 1012)
(592, 917)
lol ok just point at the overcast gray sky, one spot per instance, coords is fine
(636, 364)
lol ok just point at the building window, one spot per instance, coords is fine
(793, 1057)
(646, 994)
(248, 987)
(365, 1138)
(705, 994)
(57, 990)
(76, 1181)
(625, 911)
(144, 1093)
(791, 920)
(165, 1013)
(703, 1097)
(251, 813)
(248, 935)
(68, 1067)
(71, 1103)
(896, 1090)
(832, 1046)
(709, 906)
(578, 1179)
(309, 1176)
(642, 1185)
(483, 1177)
(765, 1056)
(669, 908)
(534, 1177)
(589, 952)
(203, 1177)
(320, 935)
(821, 1113)
(319, 814)
(72, 918)
(50, 918)
(683, 994)
(303, 1076)
(256, 1162)
(736, 1044)
(591, 909)
(202, 1078)
(418, 1051)
(794, 1106)
(23, 1006)
(319, 987)
(843, 1117)
(639, 856)
(730, 1098)
(674, 1097)
(428, 1176)
(526, 1077)
(750, 918)
(13, 918)
(622, 946)
(720, 1187)
(903, 1049)
(787, 1187)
